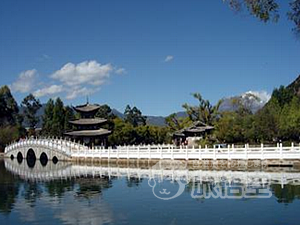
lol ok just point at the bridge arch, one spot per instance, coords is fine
(30, 155)
(20, 157)
(54, 159)
(44, 159)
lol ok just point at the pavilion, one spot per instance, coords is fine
(88, 128)
(189, 135)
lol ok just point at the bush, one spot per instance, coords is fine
(7, 135)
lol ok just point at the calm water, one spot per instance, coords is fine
(66, 193)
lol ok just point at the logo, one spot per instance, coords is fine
(170, 179)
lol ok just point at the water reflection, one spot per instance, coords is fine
(69, 193)
(65, 199)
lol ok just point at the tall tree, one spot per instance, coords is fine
(105, 112)
(8, 107)
(48, 118)
(58, 118)
(31, 105)
(69, 115)
(175, 123)
(134, 116)
(204, 111)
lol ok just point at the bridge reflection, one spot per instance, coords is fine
(39, 171)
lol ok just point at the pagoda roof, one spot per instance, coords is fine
(89, 133)
(88, 121)
(87, 107)
(196, 127)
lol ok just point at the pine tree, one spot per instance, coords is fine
(31, 105)
(69, 115)
(48, 118)
(8, 107)
(58, 118)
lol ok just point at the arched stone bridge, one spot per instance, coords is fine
(62, 149)
(52, 149)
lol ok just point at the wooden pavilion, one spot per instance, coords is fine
(188, 135)
(88, 128)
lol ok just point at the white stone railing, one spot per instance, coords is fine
(77, 150)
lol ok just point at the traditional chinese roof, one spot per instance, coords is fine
(196, 127)
(88, 121)
(87, 107)
(89, 133)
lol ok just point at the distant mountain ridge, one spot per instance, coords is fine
(252, 100)
(227, 105)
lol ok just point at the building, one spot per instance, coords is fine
(88, 128)
(190, 135)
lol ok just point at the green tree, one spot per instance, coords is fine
(69, 115)
(282, 95)
(105, 112)
(8, 107)
(58, 118)
(266, 122)
(123, 134)
(289, 122)
(31, 105)
(134, 116)
(7, 135)
(48, 118)
(268, 10)
(204, 111)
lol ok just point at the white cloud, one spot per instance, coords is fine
(25, 82)
(87, 72)
(263, 96)
(120, 71)
(169, 58)
(80, 91)
(72, 80)
(51, 90)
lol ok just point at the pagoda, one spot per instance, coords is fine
(88, 128)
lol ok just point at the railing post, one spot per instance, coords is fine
(108, 153)
(200, 153)
(186, 156)
(100, 154)
(127, 152)
(262, 151)
(228, 152)
(246, 151)
(215, 150)
(149, 151)
(161, 152)
(172, 153)
(281, 153)
(138, 149)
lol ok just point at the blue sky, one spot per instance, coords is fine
(152, 54)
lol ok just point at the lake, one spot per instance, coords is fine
(146, 193)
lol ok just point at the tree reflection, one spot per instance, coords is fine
(134, 181)
(32, 191)
(57, 188)
(91, 187)
(287, 194)
(9, 189)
